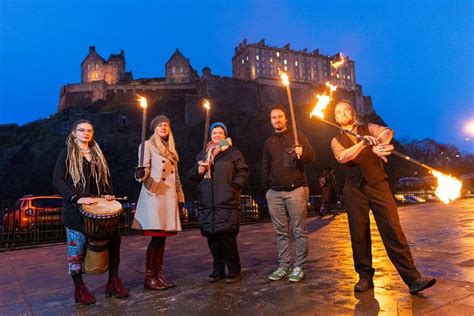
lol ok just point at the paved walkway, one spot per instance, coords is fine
(35, 281)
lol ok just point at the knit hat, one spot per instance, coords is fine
(157, 120)
(218, 124)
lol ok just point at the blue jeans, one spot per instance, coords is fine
(289, 207)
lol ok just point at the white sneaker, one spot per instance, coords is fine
(297, 274)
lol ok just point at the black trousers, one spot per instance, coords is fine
(225, 252)
(379, 199)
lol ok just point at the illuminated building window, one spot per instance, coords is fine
(96, 66)
(285, 61)
(173, 70)
(247, 58)
(278, 54)
(243, 61)
(337, 76)
(257, 57)
(181, 68)
(286, 68)
(258, 64)
(296, 63)
(348, 77)
(271, 60)
(88, 66)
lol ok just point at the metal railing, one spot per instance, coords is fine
(19, 230)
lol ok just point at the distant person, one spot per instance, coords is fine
(81, 173)
(287, 193)
(161, 198)
(330, 191)
(366, 188)
(221, 172)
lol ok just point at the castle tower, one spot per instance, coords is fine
(96, 68)
(179, 69)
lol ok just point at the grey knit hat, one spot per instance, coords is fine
(157, 120)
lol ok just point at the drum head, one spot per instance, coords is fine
(103, 207)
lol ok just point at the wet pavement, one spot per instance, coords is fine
(441, 237)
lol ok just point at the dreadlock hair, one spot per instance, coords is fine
(74, 161)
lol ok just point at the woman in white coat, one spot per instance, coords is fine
(161, 197)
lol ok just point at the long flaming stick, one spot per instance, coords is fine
(144, 104)
(207, 106)
(286, 82)
(448, 188)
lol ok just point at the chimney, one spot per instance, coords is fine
(91, 49)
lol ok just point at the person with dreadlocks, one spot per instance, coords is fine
(81, 173)
(221, 171)
(161, 198)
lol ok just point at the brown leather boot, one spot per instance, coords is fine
(159, 268)
(82, 295)
(151, 281)
(115, 287)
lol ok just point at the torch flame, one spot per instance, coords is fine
(206, 104)
(338, 63)
(143, 102)
(448, 189)
(284, 78)
(323, 101)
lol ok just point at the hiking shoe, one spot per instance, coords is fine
(297, 274)
(279, 274)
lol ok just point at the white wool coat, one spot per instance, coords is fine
(161, 192)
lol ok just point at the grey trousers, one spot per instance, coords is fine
(289, 208)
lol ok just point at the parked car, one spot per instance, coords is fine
(31, 212)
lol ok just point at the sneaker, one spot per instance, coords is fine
(279, 273)
(233, 277)
(297, 274)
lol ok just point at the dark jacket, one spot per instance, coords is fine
(63, 183)
(219, 197)
(366, 167)
(281, 169)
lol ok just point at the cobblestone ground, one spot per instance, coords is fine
(441, 237)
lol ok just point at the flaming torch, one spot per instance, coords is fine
(286, 83)
(339, 63)
(144, 104)
(448, 188)
(207, 106)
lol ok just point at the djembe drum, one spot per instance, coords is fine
(100, 220)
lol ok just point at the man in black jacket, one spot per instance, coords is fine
(366, 188)
(287, 192)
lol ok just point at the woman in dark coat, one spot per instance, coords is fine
(81, 172)
(221, 175)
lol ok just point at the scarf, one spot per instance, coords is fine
(212, 150)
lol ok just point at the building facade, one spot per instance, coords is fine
(255, 61)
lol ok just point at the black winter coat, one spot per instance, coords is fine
(219, 197)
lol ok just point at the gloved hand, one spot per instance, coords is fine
(139, 172)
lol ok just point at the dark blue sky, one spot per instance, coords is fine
(415, 58)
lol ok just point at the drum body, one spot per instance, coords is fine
(100, 220)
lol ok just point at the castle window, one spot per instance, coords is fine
(271, 60)
(96, 66)
(243, 61)
(286, 68)
(88, 66)
(296, 63)
(173, 70)
(348, 77)
(257, 57)
(181, 68)
(337, 76)
(247, 57)
(285, 61)
(278, 54)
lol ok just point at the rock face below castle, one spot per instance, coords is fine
(107, 82)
